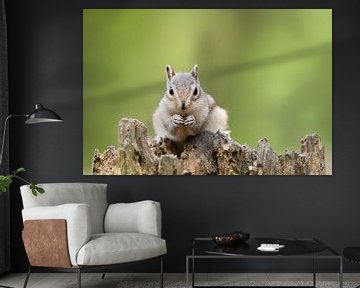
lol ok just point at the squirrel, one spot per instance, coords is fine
(185, 109)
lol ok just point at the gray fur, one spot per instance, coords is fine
(186, 113)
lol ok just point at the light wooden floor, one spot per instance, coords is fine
(114, 280)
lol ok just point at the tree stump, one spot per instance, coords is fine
(204, 154)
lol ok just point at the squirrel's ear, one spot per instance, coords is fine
(170, 72)
(195, 72)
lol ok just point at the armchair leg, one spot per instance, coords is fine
(103, 275)
(27, 277)
(79, 277)
(161, 273)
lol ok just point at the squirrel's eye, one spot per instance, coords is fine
(171, 91)
(195, 92)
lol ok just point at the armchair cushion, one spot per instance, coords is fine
(138, 217)
(78, 221)
(113, 248)
(93, 194)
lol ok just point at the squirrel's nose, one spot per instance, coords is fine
(183, 105)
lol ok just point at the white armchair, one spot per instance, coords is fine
(72, 228)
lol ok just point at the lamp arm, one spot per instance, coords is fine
(4, 134)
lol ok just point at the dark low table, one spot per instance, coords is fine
(294, 248)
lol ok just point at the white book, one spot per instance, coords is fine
(270, 247)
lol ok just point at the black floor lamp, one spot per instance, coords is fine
(39, 115)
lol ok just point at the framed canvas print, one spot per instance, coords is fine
(207, 91)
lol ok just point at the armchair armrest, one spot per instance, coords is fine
(138, 217)
(77, 219)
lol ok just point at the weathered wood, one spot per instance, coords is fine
(135, 155)
(106, 163)
(204, 154)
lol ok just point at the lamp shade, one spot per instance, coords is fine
(42, 115)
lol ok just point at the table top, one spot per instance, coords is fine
(292, 247)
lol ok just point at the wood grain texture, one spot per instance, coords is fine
(204, 154)
(172, 280)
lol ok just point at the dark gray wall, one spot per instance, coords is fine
(45, 65)
(4, 166)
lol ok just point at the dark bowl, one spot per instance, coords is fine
(241, 236)
(225, 239)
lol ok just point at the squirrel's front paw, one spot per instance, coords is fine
(178, 120)
(159, 139)
(189, 121)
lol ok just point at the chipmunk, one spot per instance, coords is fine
(185, 109)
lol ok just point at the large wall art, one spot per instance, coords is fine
(204, 92)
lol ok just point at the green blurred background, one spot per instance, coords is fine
(270, 68)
